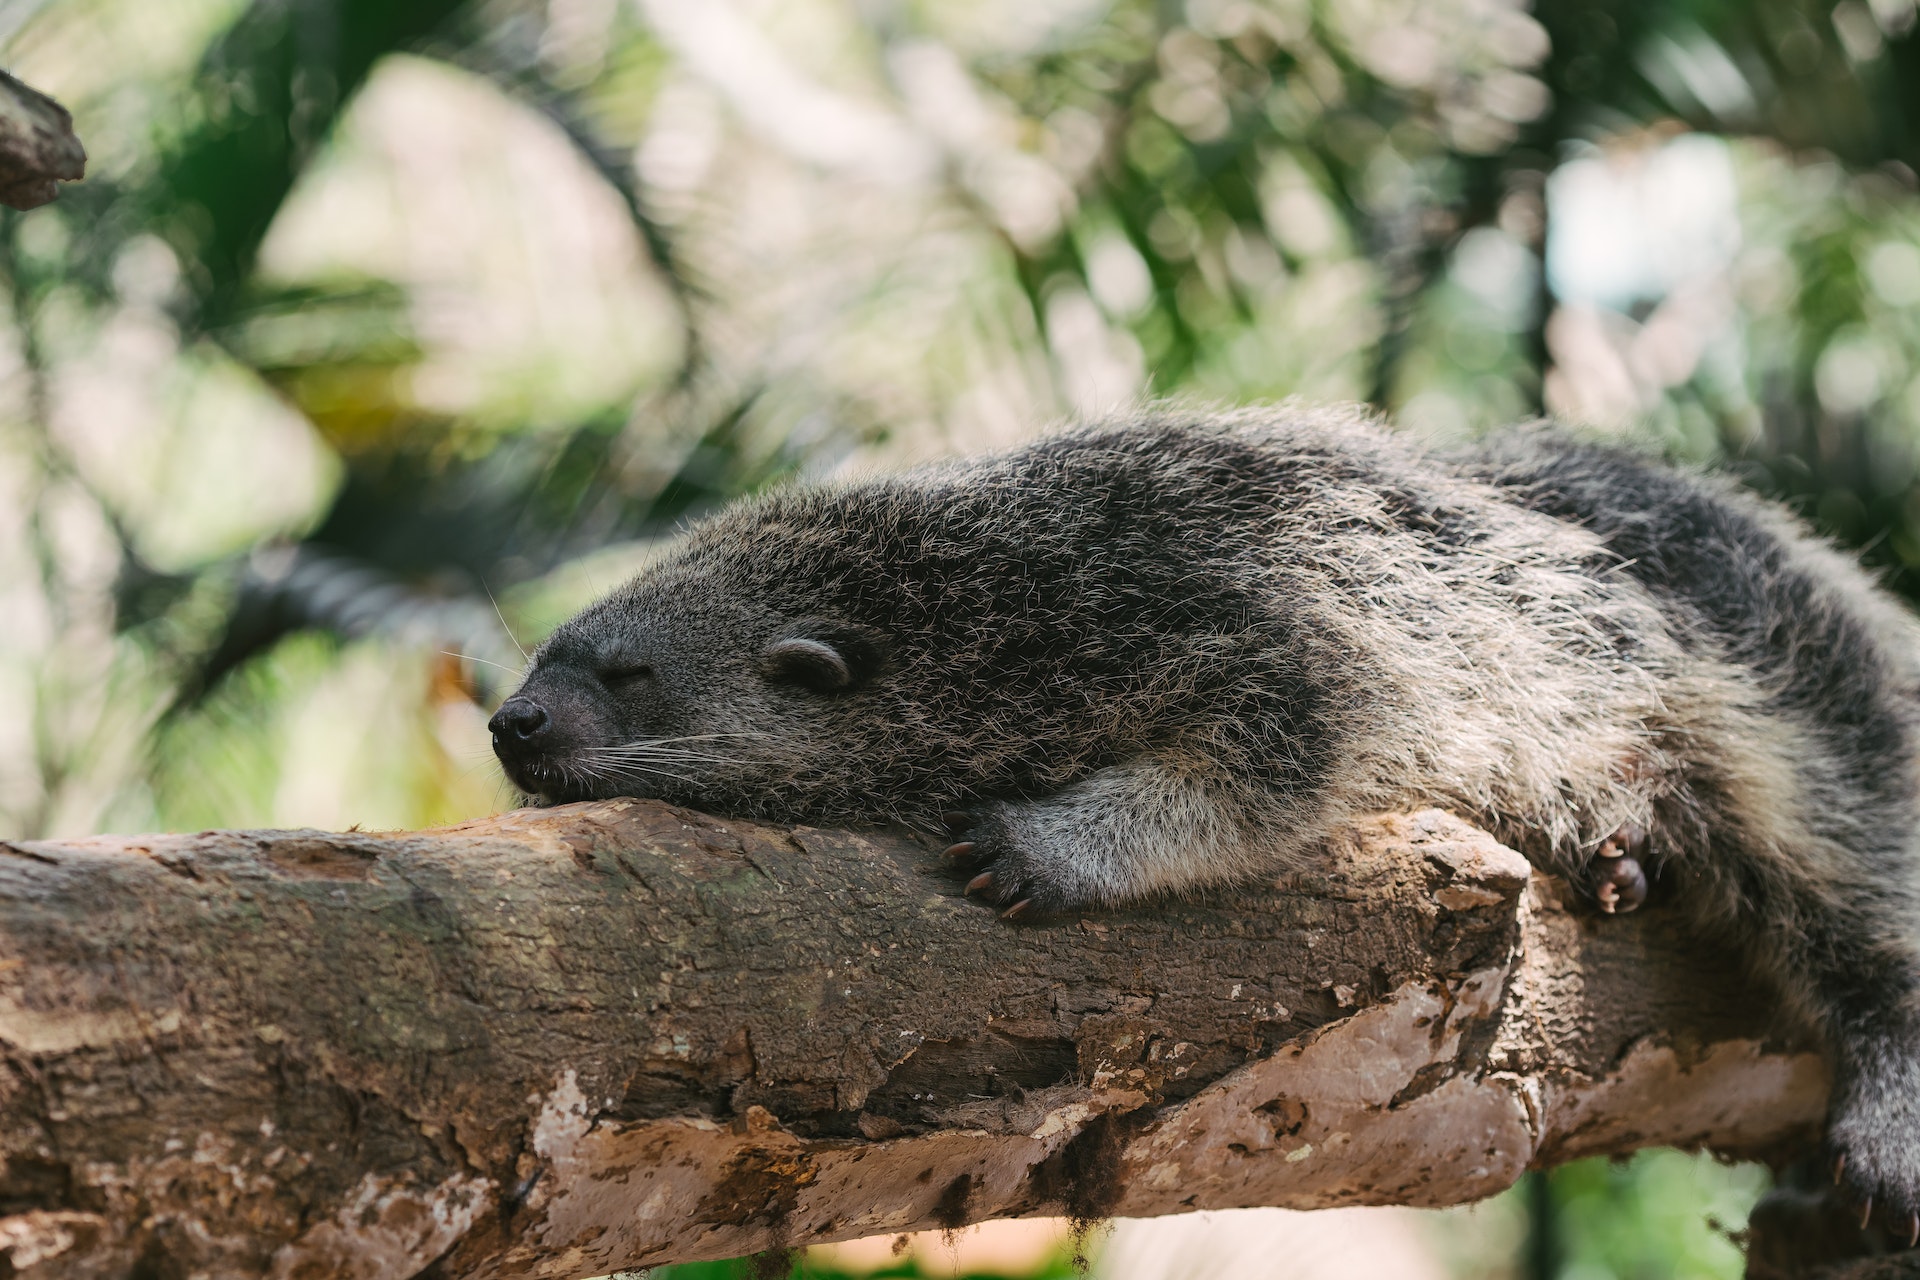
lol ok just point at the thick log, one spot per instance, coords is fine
(38, 149)
(565, 1042)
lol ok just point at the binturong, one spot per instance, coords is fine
(1175, 650)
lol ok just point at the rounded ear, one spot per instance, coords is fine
(811, 664)
(826, 657)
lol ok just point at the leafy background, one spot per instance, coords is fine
(383, 333)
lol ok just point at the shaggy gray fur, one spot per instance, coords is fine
(1175, 651)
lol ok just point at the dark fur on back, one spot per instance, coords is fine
(1831, 659)
(1178, 650)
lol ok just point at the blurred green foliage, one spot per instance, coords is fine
(385, 333)
(1233, 198)
(1236, 199)
(1659, 1214)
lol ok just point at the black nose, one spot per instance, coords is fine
(520, 718)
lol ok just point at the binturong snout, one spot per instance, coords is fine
(546, 735)
(523, 737)
(520, 720)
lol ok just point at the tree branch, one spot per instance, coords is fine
(38, 149)
(560, 1043)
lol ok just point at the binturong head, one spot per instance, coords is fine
(689, 685)
(899, 647)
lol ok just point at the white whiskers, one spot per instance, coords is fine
(655, 757)
(512, 671)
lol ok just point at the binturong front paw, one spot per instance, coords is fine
(1873, 1149)
(1006, 870)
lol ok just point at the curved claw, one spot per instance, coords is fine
(1017, 910)
(1616, 878)
(1622, 885)
(982, 881)
(1839, 1168)
(1628, 839)
(957, 852)
(1866, 1213)
(957, 820)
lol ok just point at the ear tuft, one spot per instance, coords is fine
(812, 664)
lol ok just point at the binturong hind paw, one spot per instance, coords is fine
(1873, 1150)
(1008, 868)
(1617, 877)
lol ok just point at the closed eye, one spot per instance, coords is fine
(626, 674)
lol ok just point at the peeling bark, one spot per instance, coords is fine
(38, 149)
(559, 1043)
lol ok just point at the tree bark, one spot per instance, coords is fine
(566, 1042)
(38, 149)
